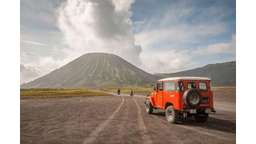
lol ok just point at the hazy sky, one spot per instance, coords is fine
(155, 35)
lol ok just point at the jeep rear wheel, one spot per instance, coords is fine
(171, 115)
(149, 107)
(201, 118)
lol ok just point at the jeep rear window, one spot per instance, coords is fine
(202, 86)
(191, 85)
(169, 86)
(181, 86)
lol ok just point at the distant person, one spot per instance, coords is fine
(118, 91)
(131, 94)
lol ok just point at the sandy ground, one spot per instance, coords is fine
(113, 119)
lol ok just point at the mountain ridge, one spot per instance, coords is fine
(222, 74)
(93, 70)
(104, 69)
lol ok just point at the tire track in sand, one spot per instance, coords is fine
(213, 133)
(94, 134)
(220, 135)
(207, 132)
(203, 131)
(145, 137)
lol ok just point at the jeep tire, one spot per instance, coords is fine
(201, 117)
(191, 93)
(171, 115)
(149, 107)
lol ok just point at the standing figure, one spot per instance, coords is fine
(131, 94)
(118, 91)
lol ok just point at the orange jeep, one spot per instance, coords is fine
(182, 97)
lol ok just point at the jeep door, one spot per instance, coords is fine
(159, 95)
(170, 93)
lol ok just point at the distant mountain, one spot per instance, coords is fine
(101, 69)
(222, 74)
(93, 70)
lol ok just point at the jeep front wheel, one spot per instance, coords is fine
(149, 107)
(201, 118)
(171, 115)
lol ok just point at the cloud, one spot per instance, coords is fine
(185, 35)
(33, 43)
(171, 49)
(157, 36)
(178, 59)
(98, 26)
(219, 48)
(56, 32)
(178, 34)
(44, 65)
(38, 15)
(165, 61)
(27, 74)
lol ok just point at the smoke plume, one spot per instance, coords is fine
(98, 26)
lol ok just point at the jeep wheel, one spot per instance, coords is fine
(201, 118)
(171, 115)
(192, 98)
(149, 107)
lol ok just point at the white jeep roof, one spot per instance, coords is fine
(184, 78)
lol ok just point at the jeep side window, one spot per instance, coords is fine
(160, 86)
(169, 86)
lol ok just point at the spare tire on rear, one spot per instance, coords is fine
(192, 98)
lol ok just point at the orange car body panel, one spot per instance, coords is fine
(159, 98)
